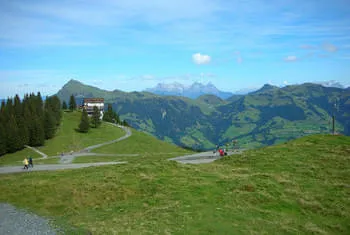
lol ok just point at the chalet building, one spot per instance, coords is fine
(89, 103)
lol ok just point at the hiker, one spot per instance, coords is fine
(25, 162)
(30, 162)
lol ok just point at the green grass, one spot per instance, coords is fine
(140, 143)
(67, 139)
(17, 157)
(54, 160)
(301, 187)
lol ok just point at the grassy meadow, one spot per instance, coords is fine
(68, 139)
(300, 187)
(16, 158)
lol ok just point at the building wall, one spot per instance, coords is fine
(98, 105)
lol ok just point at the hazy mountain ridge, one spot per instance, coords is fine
(269, 115)
(193, 91)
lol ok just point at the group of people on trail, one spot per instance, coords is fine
(28, 162)
(222, 152)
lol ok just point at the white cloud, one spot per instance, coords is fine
(198, 58)
(290, 58)
(285, 83)
(329, 47)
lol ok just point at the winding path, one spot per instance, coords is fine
(54, 167)
(200, 158)
(37, 150)
(66, 160)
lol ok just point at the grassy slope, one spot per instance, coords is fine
(301, 187)
(67, 139)
(17, 157)
(141, 143)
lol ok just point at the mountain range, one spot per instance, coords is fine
(193, 91)
(267, 116)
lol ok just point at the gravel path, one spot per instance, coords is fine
(14, 221)
(127, 135)
(36, 150)
(200, 158)
(53, 167)
(68, 158)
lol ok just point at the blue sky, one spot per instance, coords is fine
(135, 44)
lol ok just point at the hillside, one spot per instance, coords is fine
(300, 187)
(67, 139)
(264, 117)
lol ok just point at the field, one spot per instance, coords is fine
(301, 187)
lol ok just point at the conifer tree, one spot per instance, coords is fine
(96, 117)
(108, 115)
(17, 107)
(56, 108)
(124, 123)
(13, 140)
(23, 131)
(3, 140)
(49, 124)
(84, 125)
(64, 105)
(37, 132)
(39, 105)
(72, 103)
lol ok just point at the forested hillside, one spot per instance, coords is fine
(267, 116)
(28, 122)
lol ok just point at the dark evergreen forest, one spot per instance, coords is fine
(30, 121)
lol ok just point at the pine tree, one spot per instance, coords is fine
(49, 124)
(18, 110)
(54, 104)
(13, 140)
(64, 105)
(39, 105)
(96, 117)
(108, 115)
(72, 103)
(56, 108)
(37, 132)
(116, 117)
(3, 140)
(84, 125)
(124, 123)
(23, 131)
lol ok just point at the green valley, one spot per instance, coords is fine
(268, 116)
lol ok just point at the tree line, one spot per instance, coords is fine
(30, 121)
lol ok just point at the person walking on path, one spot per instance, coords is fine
(25, 162)
(31, 162)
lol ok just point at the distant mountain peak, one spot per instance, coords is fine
(193, 91)
(266, 87)
(331, 83)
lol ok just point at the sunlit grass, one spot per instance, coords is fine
(301, 187)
